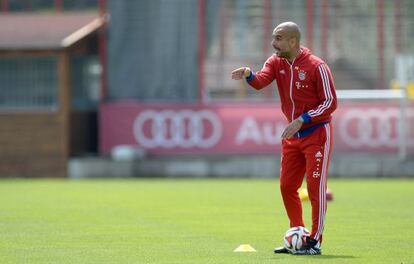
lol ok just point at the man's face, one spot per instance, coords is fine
(282, 43)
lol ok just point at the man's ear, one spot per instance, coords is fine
(292, 42)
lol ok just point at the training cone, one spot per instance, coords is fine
(329, 195)
(245, 248)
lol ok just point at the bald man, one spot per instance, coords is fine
(308, 99)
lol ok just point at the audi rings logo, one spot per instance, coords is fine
(182, 128)
(374, 127)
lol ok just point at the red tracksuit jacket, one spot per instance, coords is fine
(306, 87)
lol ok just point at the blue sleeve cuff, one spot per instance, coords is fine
(250, 77)
(306, 118)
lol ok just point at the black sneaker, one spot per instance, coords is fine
(310, 248)
(281, 250)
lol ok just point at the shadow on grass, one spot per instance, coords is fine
(319, 257)
(330, 257)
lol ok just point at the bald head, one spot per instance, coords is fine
(286, 40)
(291, 30)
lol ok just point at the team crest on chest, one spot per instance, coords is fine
(302, 75)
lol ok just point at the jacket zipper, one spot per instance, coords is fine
(291, 90)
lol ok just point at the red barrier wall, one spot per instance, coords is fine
(241, 128)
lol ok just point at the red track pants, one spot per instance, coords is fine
(308, 155)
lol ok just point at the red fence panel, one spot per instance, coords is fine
(242, 128)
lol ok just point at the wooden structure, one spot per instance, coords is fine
(37, 143)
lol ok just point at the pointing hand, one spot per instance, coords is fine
(240, 73)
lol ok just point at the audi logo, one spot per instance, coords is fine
(374, 127)
(182, 128)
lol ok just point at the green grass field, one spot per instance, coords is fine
(196, 221)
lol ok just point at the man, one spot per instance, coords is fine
(308, 98)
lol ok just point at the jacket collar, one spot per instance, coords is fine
(303, 52)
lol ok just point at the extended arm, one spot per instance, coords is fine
(259, 79)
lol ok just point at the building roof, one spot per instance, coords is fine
(33, 31)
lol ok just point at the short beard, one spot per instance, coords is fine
(284, 54)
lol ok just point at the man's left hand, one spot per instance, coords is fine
(292, 128)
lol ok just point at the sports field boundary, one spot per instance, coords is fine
(262, 166)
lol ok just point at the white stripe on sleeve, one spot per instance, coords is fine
(327, 91)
